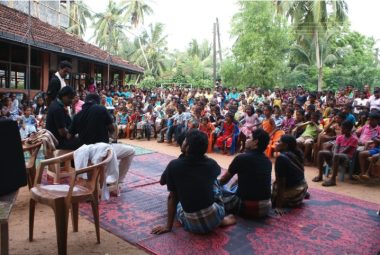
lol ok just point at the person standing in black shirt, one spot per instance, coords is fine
(253, 168)
(93, 124)
(58, 120)
(194, 192)
(57, 81)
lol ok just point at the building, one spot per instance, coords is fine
(54, 12)
(50, 45)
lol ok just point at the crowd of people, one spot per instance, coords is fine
(298, 127)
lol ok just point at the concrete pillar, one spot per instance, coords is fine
(45, 71)
(122, 78)
(92, 70)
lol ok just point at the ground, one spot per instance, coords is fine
(84, 242)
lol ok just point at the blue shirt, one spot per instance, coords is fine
(351, 118)
(233, 96)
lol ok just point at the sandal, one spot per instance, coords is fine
(317, 179)
(328, 183)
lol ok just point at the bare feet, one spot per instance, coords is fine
(228, 221)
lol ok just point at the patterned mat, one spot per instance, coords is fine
(327, 223)
(140, 150)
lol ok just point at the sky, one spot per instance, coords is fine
(188, 19)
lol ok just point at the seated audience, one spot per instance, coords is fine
(309, 136)
(345, 147)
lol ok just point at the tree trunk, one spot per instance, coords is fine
(318, 60)
(143, 52)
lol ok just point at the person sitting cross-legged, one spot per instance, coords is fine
(195, 196)
(290, 187)
(345, 147)
(253, 168)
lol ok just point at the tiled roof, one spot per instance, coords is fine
(14, 27)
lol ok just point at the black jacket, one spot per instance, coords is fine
(53, 88)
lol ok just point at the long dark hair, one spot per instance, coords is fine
(291, 143)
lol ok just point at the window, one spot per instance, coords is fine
(19, 54)
(35, 78)
(4, 75)
(35, 58)
(17, 80)
(4, 51)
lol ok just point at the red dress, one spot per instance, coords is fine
(228, 130)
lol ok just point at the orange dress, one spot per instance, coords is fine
(208, 130)
(225, 139)
(268, 126)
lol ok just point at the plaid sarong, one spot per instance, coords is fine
(205, 220)
(245, 208)
(293, 197)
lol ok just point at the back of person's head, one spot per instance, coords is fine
(262, 138)
(65, 64)
(347, 125)
(197, 143)
(92, 99)
(291, 144)
(66, 91)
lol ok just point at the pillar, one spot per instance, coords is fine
(45, 71)
(92, 70)
(122, 78)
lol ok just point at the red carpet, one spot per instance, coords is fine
(327, 224)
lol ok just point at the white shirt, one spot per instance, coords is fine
(359, 102)
(374, 103)
(63, 83)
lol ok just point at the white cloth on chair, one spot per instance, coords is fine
(95, 153)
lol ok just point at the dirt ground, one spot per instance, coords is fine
(84, 241)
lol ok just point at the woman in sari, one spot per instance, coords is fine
(290, 187)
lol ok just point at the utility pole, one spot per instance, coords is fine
(219, 43)
(29, 52)
(109, 53)
(214, 54)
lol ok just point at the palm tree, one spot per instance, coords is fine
(304, 52)
(154, 44)
(109, 27)
(78, 14)
(311, 19)
(136, 12)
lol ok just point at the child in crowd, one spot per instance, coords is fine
(345, 147)
(309, 136)
(250, 121)
(224, 140)
(122, 122)
(28, 123)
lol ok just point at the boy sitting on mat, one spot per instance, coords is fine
(252, 198)
(200, 210)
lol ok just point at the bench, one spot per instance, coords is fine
(6, 204)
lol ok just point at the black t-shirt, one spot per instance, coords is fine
(57, 118)
(286, 169)
(91, 124)
(254, 171)
(192, 179)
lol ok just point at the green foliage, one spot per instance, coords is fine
(261, 47)
(148, 82)
(79, 14)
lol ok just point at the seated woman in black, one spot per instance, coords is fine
(290, 187)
